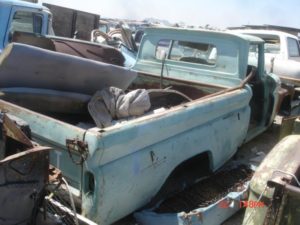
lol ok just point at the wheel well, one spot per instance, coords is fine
(185, 174)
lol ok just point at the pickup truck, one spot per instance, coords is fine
(282, 53)
(117, 169)
(24, 17)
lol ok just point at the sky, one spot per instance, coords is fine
(216, 13)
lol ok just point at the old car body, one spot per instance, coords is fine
(115, 170)
(24, 172)
(274, 188)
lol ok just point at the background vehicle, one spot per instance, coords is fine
(282, 53)
(23, 17)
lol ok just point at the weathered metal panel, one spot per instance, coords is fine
(10, 129)
(44, 131)
(283, 160)
(231, 62)
(23, 172)
(119, 168)
(62, 20)
(66, 21)
(22, 178)
(87, 50)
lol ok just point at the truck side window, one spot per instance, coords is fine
(293, 47)
(26, 22)
(199, 53)
(162, 48)
(253, 55)
(272, 43)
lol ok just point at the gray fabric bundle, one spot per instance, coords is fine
(112, 103)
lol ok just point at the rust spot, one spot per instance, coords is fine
(78, 146)
(86, 50)
(54, 174)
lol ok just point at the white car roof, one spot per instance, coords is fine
(270, 32)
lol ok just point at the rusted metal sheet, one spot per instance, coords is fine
(97, 52)
(71, 23)
(11, 130)
(78, 146)
(279, 169)
(23, 177)
(26, 178)
(14, 137)
(283, 157)
(285, 95)
(54, 174)
(87, 50)
(23, 172)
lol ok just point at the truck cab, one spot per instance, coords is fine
(24, 17)
(186, 57)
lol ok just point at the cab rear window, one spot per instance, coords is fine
(190, 52)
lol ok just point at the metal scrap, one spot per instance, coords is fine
(11, 130)
(23, 173)
(22, 180)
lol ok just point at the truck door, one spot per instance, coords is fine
(29, 20)
(265, 90)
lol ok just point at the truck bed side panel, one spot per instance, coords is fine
(154, 147)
